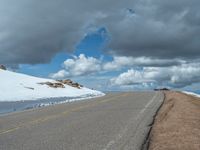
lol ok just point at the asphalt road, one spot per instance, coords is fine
(116, 121)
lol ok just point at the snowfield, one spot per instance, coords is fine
(21, 87)
(191, 93)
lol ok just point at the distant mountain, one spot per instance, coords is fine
(20, 87)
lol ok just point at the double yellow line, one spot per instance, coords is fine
(64, 113)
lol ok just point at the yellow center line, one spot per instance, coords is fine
(9, 130)
(64, 113)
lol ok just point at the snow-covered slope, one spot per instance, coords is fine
(191, 93)
(18, 87)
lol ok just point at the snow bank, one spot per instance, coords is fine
(191, 93)
(21, 87)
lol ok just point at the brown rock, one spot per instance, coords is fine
(53, 85)
(67, 81)
(76, 85)
(2, 67)
(58, 85)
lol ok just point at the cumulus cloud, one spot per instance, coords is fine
(33, 31)
(60, 74)
(131, 77)
(78, 66)
(127, 61)
(171, 73)
(83, 65)
(176, 76)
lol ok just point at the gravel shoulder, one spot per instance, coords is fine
(177, 124)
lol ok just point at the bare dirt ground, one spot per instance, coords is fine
(177, 125)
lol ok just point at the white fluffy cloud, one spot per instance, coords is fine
(60, 74)
(131, 77)
(175, 76)
(123, 61)
(78, 66)
(173, 73)
(83, 65)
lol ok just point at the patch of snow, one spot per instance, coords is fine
(191, 93)
(21, 87)
(70, 100)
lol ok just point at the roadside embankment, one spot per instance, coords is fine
(177, 124)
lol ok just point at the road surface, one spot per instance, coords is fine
(116, 121)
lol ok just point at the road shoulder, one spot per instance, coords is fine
(176, 126)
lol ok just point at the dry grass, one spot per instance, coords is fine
(177, 125)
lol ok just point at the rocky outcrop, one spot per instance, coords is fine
(62, 83)
(67, 81)
(2, 67)
(53, 85)
(162, 89)
(70, 83)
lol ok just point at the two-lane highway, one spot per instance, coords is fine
(115, 121)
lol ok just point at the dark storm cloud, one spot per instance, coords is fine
(162, 29)
(33, 31)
